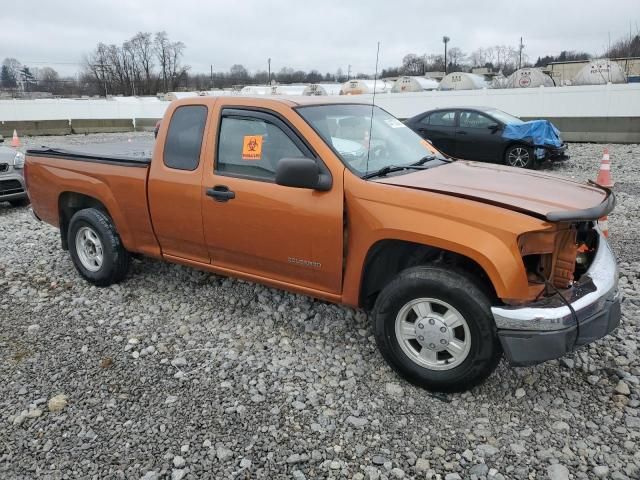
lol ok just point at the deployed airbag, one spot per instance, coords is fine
(540, 133)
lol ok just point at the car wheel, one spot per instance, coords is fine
(520, 156)
(434, 327)
(20, 202)
(96, 249)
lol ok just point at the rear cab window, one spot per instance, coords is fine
(184, 137)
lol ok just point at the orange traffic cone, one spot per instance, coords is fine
(15, 141)
(604, 180)
(604, 175)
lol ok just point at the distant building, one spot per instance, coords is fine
(563, 73)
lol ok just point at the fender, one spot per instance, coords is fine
(445, 222)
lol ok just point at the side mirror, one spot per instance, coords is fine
(494, 127)
(301, 173)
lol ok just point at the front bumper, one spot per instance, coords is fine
(12, 186)
(559, 153)
(552, 153)
(549, 328)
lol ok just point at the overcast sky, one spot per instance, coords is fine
(325, 34)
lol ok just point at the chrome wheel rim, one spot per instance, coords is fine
(433, 334)
(518, 157)
(89, 249)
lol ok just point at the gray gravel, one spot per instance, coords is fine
(181, 374)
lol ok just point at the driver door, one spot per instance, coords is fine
(254, 226)
(476, 139)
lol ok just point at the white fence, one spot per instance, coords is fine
(589, 101)
(558, 102)
(66, 109)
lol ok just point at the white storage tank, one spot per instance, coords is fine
(499, 81)
(414, 84)
(462, 81)
(322, 89)
(256, 90)
(289, 89)
(528, 78)
(600, 72)
(362, 86)
(170, 96)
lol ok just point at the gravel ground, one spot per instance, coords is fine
(181, 374)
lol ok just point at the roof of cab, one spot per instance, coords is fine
(292, 101)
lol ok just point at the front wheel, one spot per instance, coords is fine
(434, 327)
(520, 156)
(96, 249)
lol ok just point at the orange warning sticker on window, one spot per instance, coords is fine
(252, 147)
(428, 146)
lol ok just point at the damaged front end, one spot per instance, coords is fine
(573, 294)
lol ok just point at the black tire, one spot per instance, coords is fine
(460, 292)
(20, 202)
(115, 259)
(520, 156)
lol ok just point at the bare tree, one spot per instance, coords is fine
(48, 80)
(412, 64)
(456, 58)
(141, 46)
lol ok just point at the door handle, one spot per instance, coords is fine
(221, 193)
(461, 132)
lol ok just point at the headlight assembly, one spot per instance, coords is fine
(18, 160)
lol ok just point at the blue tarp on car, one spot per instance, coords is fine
(541, 133)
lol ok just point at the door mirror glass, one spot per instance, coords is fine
(301, 173)
(493, 127)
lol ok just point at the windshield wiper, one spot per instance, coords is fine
(428, 158)
(390, 169)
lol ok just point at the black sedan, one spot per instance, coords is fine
(477, 133)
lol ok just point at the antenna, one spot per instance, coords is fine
(373, 103)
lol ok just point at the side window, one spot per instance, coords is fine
(184, 137)
(442, 119)
(252, 147)
(424, 120)
(474, 120)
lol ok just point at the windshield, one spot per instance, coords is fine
(504, 117)
(346, 128)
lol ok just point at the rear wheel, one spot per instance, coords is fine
(520, 156)
(434, 327)
(96, 249)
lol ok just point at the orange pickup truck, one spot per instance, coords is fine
(458, 262)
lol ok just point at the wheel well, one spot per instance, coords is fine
(387, 258)
(68, 204)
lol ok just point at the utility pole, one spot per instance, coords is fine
(445, 40)
(211, 81)
(520, 59)
(269, 71)
(349, 73)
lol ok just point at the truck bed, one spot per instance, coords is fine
(114, 174)
(134, 154)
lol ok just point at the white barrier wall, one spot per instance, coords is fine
(558, 102)
(66, 109)
(588, 101)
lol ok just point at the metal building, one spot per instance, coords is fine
(414, 84)
(463, 81)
